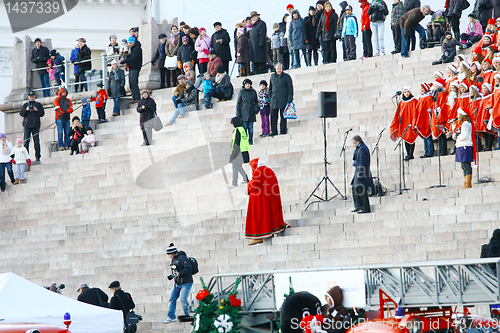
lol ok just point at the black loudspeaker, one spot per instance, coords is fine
(328, 104)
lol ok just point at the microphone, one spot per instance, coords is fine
(383, 129)
(480, 79)
(452, 120)
(398, 93)
(348, 131)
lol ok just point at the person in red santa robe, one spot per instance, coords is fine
(439, 115)
(422, 119)
(402, 122)
(494, 107)
(451, 70)
(264, 214)
(483, 117)
(488, 73)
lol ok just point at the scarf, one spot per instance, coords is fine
(327, 20)
(172, 38)
(162, 49)
(407, 98)
(116, 77)
(219, 77)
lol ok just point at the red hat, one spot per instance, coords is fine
(440, 82)
(426, 86)
(488, 60)
(492, 21)
(464, 84)
(487, 36)
(291, 6)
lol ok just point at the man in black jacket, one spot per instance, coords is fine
(280, 93)
(84, 53)
(257, 50)
(32, 111)
(121, 301)
(39, 56)
(182, 273)
(134, 62)
(362, 176)
(94, 296)
(220, 44)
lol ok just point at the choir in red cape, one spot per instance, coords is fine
(464, 107)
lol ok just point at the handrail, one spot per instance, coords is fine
(66, 61)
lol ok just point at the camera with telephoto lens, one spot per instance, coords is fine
(56, 288)
(171, 276)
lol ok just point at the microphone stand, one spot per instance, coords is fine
(478, 140)
(342, 151)
(401, 163)
(376, 149)
(439, 163)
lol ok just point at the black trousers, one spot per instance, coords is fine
(410, 148)
(455, 25)
(101, 114)
(330, 51)
(360, 198)
(163, 76)
(396, 37)
(350, 47)
(467, 168)
(488, 141)
(259, 67)
(28, 131)
(312, 54)
(77, 79)
(225, 64)
(367, 43)
(442, 145)
(274, 122)
(202, 67)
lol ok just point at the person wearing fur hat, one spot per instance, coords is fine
(220, 44)
(100, 98)
(202, 46)
(257, 41)
(5, 149)
(463, 135)
(76, 133)
(333, 310)
(116, 86)
(421, 122)
(32, 111)
(63, 107)
(240, 148)
(327, 27)
(312, 42)
(402, 119)
(448, 49)
(146, 107)
(242, 52)
(39, 56)
(21, 157)
(160, 56)
(247, 107)
(366, 31)
(187, 101)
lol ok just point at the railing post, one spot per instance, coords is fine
(104, 69)
(66, 74)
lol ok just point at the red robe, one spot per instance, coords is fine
(439, 114)
(483, 116)
(448, 82)
(406, 109)
(495, 106)
(422, 118)
(462, 102)
(264, 214)
(489, 77)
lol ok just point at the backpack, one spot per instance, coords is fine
(194, 265)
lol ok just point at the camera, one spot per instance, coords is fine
(171, 276)
(56, 288)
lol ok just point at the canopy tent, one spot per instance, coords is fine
(25, 302)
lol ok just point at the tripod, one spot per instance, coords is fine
(376, 149)
(325, 178)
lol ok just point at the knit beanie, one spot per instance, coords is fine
(172, 249)
(19, 140)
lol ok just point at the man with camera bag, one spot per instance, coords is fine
(32, 111)
(182, 273)
(122, 301)
(94, 296)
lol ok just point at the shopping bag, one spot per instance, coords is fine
(156, 123)
(170, 63)
(290, 112)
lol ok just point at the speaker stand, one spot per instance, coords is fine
(326, 180)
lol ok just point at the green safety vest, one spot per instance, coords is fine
(244, 144)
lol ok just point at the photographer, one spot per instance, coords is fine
(122, 301)
(94, 296)
(32, 111)
(182, 273)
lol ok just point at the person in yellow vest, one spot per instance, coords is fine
(239, 151)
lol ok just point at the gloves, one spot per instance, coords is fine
(12, 161)
(153, 63)
(29, 162)
(205, 51)
(179, 64)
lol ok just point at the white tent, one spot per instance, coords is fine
(24, 301)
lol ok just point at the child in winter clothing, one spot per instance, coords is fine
(100, 99)
(247, 107)
(124, 49)
(76, 133)
(58, 60)
(277, 44)
(473, 33)
(184, 56)
(87, 141)
(350, 33)
(449, 49)
(207, 87)
(51, 69)
(86, 112)
(21, 157)
(264, 106)
(242, 52)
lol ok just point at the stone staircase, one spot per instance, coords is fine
(111, 214)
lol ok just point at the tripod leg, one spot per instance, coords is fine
(312, 193)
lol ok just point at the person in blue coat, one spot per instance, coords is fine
(362, 176)
(296, 38)
(73, 58)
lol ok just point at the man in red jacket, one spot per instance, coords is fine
(63, 108)
(366, 31)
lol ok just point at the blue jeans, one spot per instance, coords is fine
(85, 123)
(116, 106)
(378, 37)
(248, 126)
(405, 40)
(45, 81)
(208, 100)
(428, 146)
(174, 99)
(62, 129)
(296, 57)
(183, 292)
(181, 111)
(7, 165)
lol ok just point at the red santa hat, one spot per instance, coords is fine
(492, 21)
(439, 82)
(488, 60)
(496, 59)
(462, 112)
(466, 64)
(426, 86)
(463, 84)
(454, 83)
(291, 6)
(439, 74)
(477, 64)
(462, 57)
(494, 47)
(452, 67)
(488, 86)
(487, 36)
(476, 88)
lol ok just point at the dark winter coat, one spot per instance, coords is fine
(396, 13)
(184, 53)
(134, 58)
(183, 267)
(283, 30)
(189, 96)
(222, 50)
(32, 117)
(247, 105)
(492, 249)
(411, 4)
(160, 55)
(317, 17)
(226, 86)
(76, 133)
(362, 175)
(449, 46)
(91, 296)
(84, 53)
(321, 30)
(280, 90)
(378, 11)
(337, 312)
(39, 57)
(122, 301)
(310, 32)
(148, 112)
(257, 49)
(296, 36)
(483, 11)
(242, 50)
(455, 8)
(411, 19)
(58, 61)
(116, 80)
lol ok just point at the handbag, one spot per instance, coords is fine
(156, 123)
(170, 63)
(290, 112)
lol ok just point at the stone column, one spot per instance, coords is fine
(22, 83)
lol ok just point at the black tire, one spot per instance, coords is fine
(423, 44)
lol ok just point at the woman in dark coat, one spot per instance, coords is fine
(327, 33)
(220, 44)
(247, 107)
(454, 12)
(296, 38)
(76, 133)
(160, 55)
(147, 108)
(116, 83)
(257, 51)
(286, 52)
(312, 42)
(242, 52)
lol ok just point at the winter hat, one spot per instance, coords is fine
(320, 2)
(463, 84)
(477, 64)
(476, 88)
(245, 81)
(462, 112)
(452, 67)
(408, 88)
(466, 64)
(439, 82)
(82, 40)
(2, 135)
(264, 82)
(162, 36)
(217, 23)
(82, 285)
(439, 74)
(496, 59)
(311, 8)
(124, 40)
(454, 83)
(492, 21)
(202, 29)
(19, 140)
(84, 100)
(184, 39)
(289, 6)
(426, 86)
(220, 70)
(90, 129)
(275, 25)
(487, 85)
(487, 36)
(145, 91)
(447, 32)
(348, 7)
(114, 284)
(488, 60)
(134, 29)
(462, 57)
(362, 1)
(38, 40)
(241, 30)
(172, 249)
(131, 40)
(75, 118)
(181, 77)
(53, 53)
(114, 62)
